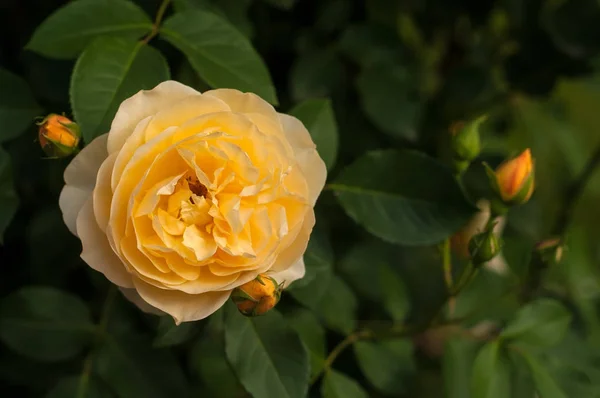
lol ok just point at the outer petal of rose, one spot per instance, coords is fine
(308, 159)
(142, 105)
(292, 254)
(80, 178)
(181, 306)
(133, 296)
(103, 192)
(296, 271)
(97, 252)
(240, 102)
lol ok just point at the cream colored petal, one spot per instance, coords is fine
(96, 252)
(294, 272)
(133, 296)
(83, 169)
(181, 306)
(294, 252)
(71, 201)
(311, 164)
(103, 192)
(208, 282)
(142, 105)
(243, 102)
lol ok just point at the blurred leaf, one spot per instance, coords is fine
(489, 296)
(170, 334)
(17, 106)
(71, 28)
(45, 323)
(75, 387)
(402, 197)
(387, 365)
(391, 101)
(316, 74)
(544, 384)
(209, 361)
(541, 323)
(109, 71)
(337, 309)
(370, 45)
(219, 53)
(491, 373)
(338, 385)
(312, 335)
(393, 290)
(267, 356)
(457, 366)
(9, 200)
(134, 369)
(319, 119)
(283, 4)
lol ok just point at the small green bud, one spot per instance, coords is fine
(483, 247)
(466, 143)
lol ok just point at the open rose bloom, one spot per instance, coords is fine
(191, 195)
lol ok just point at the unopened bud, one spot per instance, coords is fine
(514, 180)
(58, 135)
(466, 143)
(483, 247)
(257, 296)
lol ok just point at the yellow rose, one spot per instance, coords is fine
(191, 195)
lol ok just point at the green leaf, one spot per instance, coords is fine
(542, 323)
(402, 197)
(17, 106)
(267, 356)
(134, 369)
(390, 100)
(312, 335)
(338, 385)
(338, 307)
(235, 11)
(9, 201)
(318, 260)
(387, 365)
(544, 383)
(393, 290)
(220, 54)
(491, 373)
(316, 74)
(457, 365)
(71, 28)
(317, 115)
(44, 323)
(170, 334)
(109, 71)
(207, 359)
(75, 386)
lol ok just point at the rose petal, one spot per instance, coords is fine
(142, 105)
(181, 306)
(96, 251)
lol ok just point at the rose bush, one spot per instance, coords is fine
(191, 195)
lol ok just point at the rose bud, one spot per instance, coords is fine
(58, 135)
(466, 143)
(483, 247)
(257, 296)
(515, 179)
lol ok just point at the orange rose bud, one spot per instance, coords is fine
(515, 179)
(257, 296)
(58, 135)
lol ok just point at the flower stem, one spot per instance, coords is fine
(100, 331)
(160, 14)
(573, 194)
